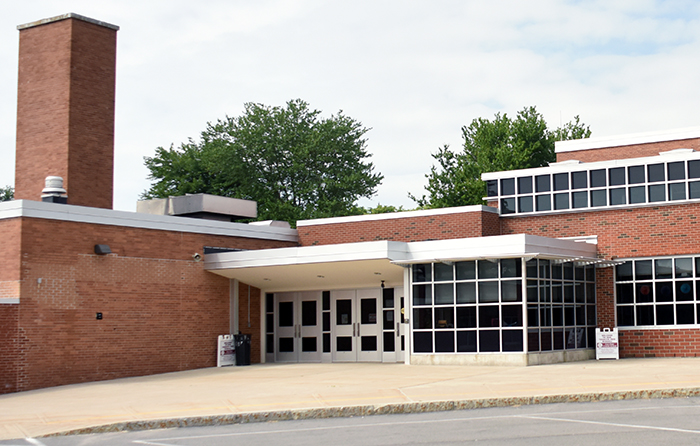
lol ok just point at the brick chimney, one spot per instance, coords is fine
(65, 108)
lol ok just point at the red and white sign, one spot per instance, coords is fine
(606, 344)
(226, 352)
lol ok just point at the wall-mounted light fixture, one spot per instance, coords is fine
(382, 284)
(102, 250)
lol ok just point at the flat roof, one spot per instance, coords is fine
(70, 15)
(602, 142)
(83, 214)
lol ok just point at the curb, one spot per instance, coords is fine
(384, 409)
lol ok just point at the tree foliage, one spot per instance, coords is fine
(293, 162)
(7, 193)
(490, 146)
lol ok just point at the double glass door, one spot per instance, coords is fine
(356, 327)
(364, 325)
(298, 327)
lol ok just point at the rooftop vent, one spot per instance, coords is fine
(205, 206)
(53, 191)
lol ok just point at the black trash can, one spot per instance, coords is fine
(242, 343)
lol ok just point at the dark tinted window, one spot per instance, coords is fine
(617, 196)
(579, 180)
(657, 193)
(542, 183)
(676, 171)
(656, 172)
(617, 176)
(525, 204)
(636, 174)
(599, 198)
(492, 188)
(525, 185)
(637, 194)
(508, 186)
(543, 203)
(579, 199)
(561, 201)
(694, 169)
(507, 205)
(561, 181)
(598, 178)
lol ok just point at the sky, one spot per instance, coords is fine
(414, 72)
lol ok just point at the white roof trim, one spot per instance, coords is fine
(395, 215)
(82, 214)
(662, 157)
(626, 140)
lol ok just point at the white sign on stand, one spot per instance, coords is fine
(606, 344)
(226, 351)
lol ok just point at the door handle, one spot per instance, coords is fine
(358, 329)
(397, 330)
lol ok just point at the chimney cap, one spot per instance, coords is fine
(70, 15)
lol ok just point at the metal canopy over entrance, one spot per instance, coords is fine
(353, 324)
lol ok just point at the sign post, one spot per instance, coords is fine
(606, 344)
(226, 351)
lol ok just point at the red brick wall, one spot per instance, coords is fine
(434, 227)
(659, 343)
(631, 151)
(65, 111)
(250, 325)
(161, 311)
(9, 347)
(640, 232)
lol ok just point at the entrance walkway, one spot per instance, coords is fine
(273, 391)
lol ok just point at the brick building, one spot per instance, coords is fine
(604, 237)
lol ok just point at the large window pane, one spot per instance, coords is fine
(487, 269)
(617, 176)
(422, 273)
(617, 196)
(422, 318)
(507, 205)
(599, 198)
(466, 341)
(656, 173)
(511, 268)
(561, 201)
(543, 202)
(444, 293)
(466, 317)
(580, 199)
(636, 174)
(466, 270)
(561, 181)
(657, 193)
(579, 180)
(444, 317)
(512, 340)
(511, 291)
(676, 171)
(445, 341)
(488, 316)
(676, 191)
(637, 194)
(508, 186)
(542, 183)
(525, 204)
(598, 178)
(488, 291)
(525, 185)
(466, 293)
(492, 188)
(489, 341)
(422, 295)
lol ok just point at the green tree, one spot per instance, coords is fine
(293, 162)
(7, 193)
(491, 146)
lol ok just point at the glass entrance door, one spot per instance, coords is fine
(356, 327)
(298, 327)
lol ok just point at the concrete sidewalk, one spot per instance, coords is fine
(288, 391)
